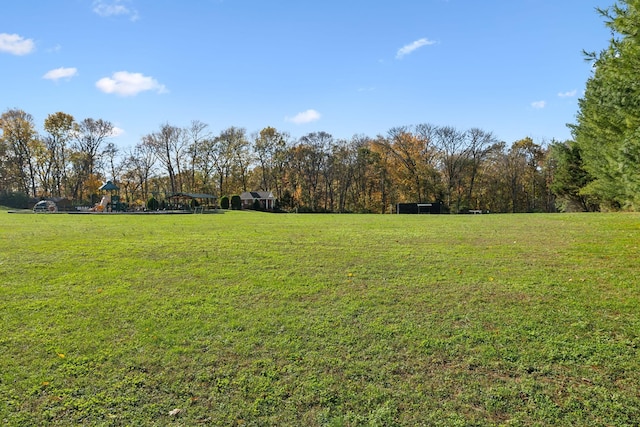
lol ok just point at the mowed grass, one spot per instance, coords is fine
(319, 320)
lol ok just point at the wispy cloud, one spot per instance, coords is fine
(60, 73)
(16, 44)
(124, 83)
(109, 8)
(411, 47)
(539, 105)
(54, 49)
(304, 117)
(569, 94)
(116, 132)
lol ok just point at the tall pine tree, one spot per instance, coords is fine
(607, 131)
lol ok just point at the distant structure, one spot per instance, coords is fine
(420, 208)
(265, 198)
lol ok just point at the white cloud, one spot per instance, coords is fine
(107, 8)
(124, 83)
(569, 94)
(116, 132)
(15, 44)
(304, 117)
(406, 50)
(61, 73)
(538, 105)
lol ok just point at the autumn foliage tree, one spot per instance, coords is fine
(20, 141)
(60, 129)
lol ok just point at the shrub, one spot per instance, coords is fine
(287, 202)
(152, 204)
(224, 202)
(257, 206)
(14, 200)
(236, 202)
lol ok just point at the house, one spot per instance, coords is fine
(266, 199)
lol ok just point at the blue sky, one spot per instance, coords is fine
(346, 67)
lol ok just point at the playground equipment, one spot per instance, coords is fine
(45, 206)
(102, 206)
(110, 202)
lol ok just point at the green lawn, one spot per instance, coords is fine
(259, 319)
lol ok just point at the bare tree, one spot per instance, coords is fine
(479, 144)
(197, 134)
(205, 162)
(452, 146)
(310, 159)
(111, 152)
(270, 147)
(169, 147)
(139, 164)
(229, 153)
(344, 158)
(90, 136)
(242, 155)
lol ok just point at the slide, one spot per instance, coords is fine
(100, 207)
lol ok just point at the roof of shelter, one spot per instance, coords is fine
(194, 195)
(261, 195)
(108, 186)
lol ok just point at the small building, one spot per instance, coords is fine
(420, 208)
(265, 198)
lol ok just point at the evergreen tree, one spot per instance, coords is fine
(607, 132)
(569, 177)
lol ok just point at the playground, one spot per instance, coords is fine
(110, 202)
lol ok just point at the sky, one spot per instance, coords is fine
(346, 67)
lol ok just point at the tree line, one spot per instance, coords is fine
(463, 169)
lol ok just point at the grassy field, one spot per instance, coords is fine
(258, 319)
